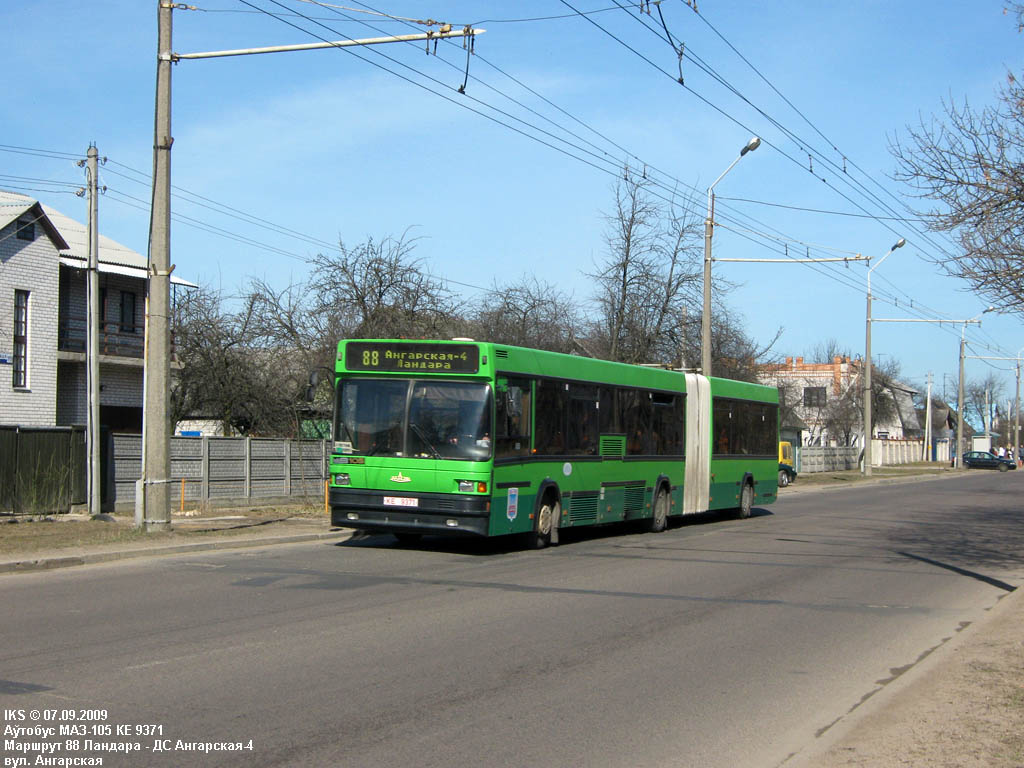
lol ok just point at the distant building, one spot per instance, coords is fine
(43, 322)
(822, 398)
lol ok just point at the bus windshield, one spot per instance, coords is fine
(418, 419)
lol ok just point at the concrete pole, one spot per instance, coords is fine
(928, 422)
(1016, 418)
(867, 386)
(709, 225)
(987, 420)
(682, 341)
(960, 404)
(93, 346)
(156, 436)
(705, 320)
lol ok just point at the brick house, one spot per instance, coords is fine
(43, 320)
(810, 391)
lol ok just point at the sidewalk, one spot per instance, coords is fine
(962, 705)
(223, 529)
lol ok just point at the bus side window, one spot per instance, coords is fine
(514, 413)
(552, 404)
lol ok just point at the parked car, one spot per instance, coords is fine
(787, 467)
(986, 460)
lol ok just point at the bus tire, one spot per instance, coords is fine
(658, 521)
(746, 501)
(544, 523)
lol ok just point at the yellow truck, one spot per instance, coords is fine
(787, 464)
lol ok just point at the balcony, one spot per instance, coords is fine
(115, 342)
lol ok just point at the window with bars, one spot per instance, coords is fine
(20, 379)
(814, 397)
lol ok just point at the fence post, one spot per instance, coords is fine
(287, 467)
(206, 468)
(248, 467)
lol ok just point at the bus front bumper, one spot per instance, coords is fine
(444, 513)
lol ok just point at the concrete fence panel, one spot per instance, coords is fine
(225, 469)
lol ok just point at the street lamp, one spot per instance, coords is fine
(1016, 413)
(867, 364)
(705, 324)
(958, 459)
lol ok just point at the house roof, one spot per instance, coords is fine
(73, 237)
(13, 209)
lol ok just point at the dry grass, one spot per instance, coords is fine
(854, 475)
(32, 535)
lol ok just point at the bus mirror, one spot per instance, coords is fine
(310, 392)
(314, 379)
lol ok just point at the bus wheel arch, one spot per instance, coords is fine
(661, 506)
(546, 516)
(746, 497)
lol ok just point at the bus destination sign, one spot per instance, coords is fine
(406, 357)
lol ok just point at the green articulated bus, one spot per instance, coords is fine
(465, 437)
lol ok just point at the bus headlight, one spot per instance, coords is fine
(469, 486)
(342, 478)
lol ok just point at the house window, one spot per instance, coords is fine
(814, 397)
(26, 229)
(20, 380)
(127, 312)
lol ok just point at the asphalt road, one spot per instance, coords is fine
(718, 643)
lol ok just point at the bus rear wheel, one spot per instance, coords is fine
(746, 501)
(540, 536)
(658, 521)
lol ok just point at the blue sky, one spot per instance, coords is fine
(333, 146)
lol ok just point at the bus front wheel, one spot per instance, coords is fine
(746, 501)
(540, 537)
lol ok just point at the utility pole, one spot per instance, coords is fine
(156, 454)
(1016, 416)
(152, 502)
(960, 405)
(988, 418)
(1016, 406)
(93, 344)
(928, 422)
(960, 393)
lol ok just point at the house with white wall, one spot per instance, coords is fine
(43, 320)
(30, 248)
(812, 390)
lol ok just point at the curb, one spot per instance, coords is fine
(794, 488)
(67, 561)
(846, 729)
(91, 558)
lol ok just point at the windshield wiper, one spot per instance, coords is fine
(420, 434)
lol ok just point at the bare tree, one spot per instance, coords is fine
(529, 313)
(970, 164)
(650, 273)
(980, 398)
(826, 351)
(735, 354)
(223, 374)
(378, 289)
(843, 416)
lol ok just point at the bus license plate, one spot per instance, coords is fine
(401, 501)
